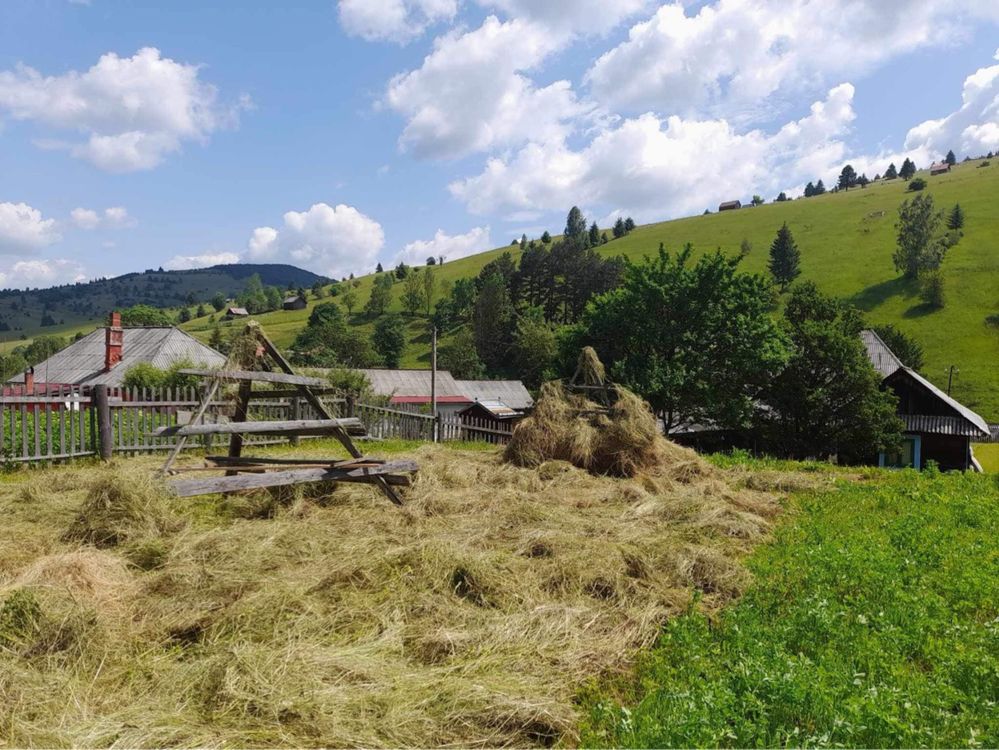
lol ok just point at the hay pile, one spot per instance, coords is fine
(622, 440)
(470, 617)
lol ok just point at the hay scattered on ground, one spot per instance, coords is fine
(470, 617)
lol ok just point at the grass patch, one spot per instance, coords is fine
(873, 622)
(988, 455)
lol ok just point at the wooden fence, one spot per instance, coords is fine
(63, 422)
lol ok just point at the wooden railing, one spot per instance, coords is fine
(62, 423)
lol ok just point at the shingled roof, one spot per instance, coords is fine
(82, 362)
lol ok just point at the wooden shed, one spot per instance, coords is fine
(729, 205)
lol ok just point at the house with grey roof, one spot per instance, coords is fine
(937, 426)
(105, 355)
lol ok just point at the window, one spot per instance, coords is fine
(906, 456)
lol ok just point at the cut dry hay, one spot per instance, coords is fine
(470, 617)
(623, 440)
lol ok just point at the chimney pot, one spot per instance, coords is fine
(29, 382)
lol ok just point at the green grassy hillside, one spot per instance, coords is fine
(846, 242)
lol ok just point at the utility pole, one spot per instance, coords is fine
(950, 377)
(433, 380)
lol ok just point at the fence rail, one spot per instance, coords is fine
(62, 423)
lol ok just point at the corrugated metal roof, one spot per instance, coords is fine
(980, 425)
(883, 358)
(509, 392)
(83, 360)
(409, 382)
(497, 408)
(939, 425)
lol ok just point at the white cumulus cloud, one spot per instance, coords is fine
(470, 93)
(22, 228)
(397, 21)
(113, 217)
(652, 167)
(330, 240)
(41, 273)
(450, 246)
(731, 55)
(584, 16)
(132, 111)
(186, 262)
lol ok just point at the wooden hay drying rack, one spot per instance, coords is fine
(244, 472)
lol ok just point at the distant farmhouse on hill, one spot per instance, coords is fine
(939, 168)
(295, 302)
(729, 205)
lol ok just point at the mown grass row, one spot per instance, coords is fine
(873, 622)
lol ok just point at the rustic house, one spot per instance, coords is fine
(236, 312)
(296, 302)
(937, 427)
(411, 389)
(729, 205)
(939, 168)
(498, 405)
(105, 355)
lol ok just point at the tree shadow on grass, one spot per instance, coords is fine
(918, 311)
(876, 294)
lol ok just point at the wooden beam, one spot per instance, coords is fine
(250, 461)
(289, 427)
(211, 485)
(206, 401)
(256, 376)
(294, 392)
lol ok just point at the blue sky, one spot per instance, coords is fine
(334, 135)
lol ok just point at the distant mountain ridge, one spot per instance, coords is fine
(38, 311)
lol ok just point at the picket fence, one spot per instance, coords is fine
(62, 423)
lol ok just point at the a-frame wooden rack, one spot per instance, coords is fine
(243, 472)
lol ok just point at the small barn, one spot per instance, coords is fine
(236, 312)
(939, 168)
(483, 419)
(411, 389)
(294, 303)
(729, 205)
(105, 355)
(937, 427)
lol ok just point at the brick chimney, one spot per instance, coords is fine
(113, 341)
(29, 382)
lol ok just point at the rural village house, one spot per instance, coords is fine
(105, 355)
(295, 302)
(937, 427)
(729, 205)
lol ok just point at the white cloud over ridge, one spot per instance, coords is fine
(398, 21)
(23, 229)
(187, 262)
(653, 167)
(450, 246)
(329, 240)
(133, 111)
(42, 273)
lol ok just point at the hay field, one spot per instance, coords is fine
(470, 617)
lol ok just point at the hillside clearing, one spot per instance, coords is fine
(471, 616)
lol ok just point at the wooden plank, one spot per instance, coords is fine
(293, 392)
(208, 396)
(248, 461)
(289, 427)
(211, 485)
(257, 377)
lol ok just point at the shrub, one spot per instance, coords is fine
(917, 184)
(932, 289)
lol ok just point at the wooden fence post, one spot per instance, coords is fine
(105, 437)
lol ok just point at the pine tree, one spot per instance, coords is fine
(908, 169)
(594, 234)
(891, 173)
(619, 230)
(575, 223)
(629, 224)
(847, 178)
(809, 189)
(784, 258)
(546, 238)
(819, 188)
(379, 269)
(950, 158)
(956, 218)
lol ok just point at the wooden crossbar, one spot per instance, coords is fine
(293, 427)
(256, 376)
(209, 485)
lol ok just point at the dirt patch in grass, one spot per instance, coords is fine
(470, 616)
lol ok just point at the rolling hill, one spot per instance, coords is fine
(846, 241)
(72, 307)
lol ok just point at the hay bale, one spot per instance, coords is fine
(121, 506)
(589, 369)
(622, 440)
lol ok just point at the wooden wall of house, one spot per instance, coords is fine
(949, 451)
(914, 398)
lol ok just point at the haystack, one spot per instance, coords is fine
(622, 440)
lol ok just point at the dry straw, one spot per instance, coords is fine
(470, 617)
